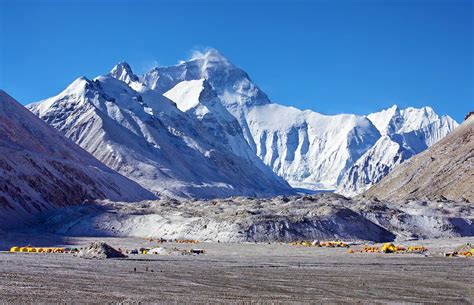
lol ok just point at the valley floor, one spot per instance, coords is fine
(230, 272)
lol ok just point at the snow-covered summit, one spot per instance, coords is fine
(210, 55)
(396, 120)
(383, 118)
(233, 85)
(123, 72)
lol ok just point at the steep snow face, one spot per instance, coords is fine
(40, 169)
(372, 166)
(209, 105)
(123, 72)
(144, 136)
(186, 95)
(308, 149)
(406, 132)
(198, 98)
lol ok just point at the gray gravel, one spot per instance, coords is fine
(240, 272)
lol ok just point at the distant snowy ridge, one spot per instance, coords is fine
(207, 106)
(405, 133)
(445, 171)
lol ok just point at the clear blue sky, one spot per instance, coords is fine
(329, 56)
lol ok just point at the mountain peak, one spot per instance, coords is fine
(122, 71)
(394, 108)
(78, 84)
(382, 119)
(209, 55)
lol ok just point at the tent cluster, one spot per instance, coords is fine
(317, 243)
(29, 249)
(466, 250)
(390, 248)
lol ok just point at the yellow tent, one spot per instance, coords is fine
(23, 249)
(15, 249)
(388, 248)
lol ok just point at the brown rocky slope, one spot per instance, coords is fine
(445, 171)
(40, 169)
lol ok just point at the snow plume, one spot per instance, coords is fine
(198, 53)
(207, 53)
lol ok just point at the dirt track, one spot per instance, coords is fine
(238, 272)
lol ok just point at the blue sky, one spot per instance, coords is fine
(328, 56)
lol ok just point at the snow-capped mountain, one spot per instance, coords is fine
(40, 169)
(144, 136)
(445, 171)
(308, 149)
(233, 86)
(292, 142)
(405, 133)
(209, 112)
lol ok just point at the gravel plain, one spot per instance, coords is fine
(238, 272)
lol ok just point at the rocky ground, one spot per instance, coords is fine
(235, 268)
(237, 272)
(241, 219)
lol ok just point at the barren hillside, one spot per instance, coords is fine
(444, 171)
